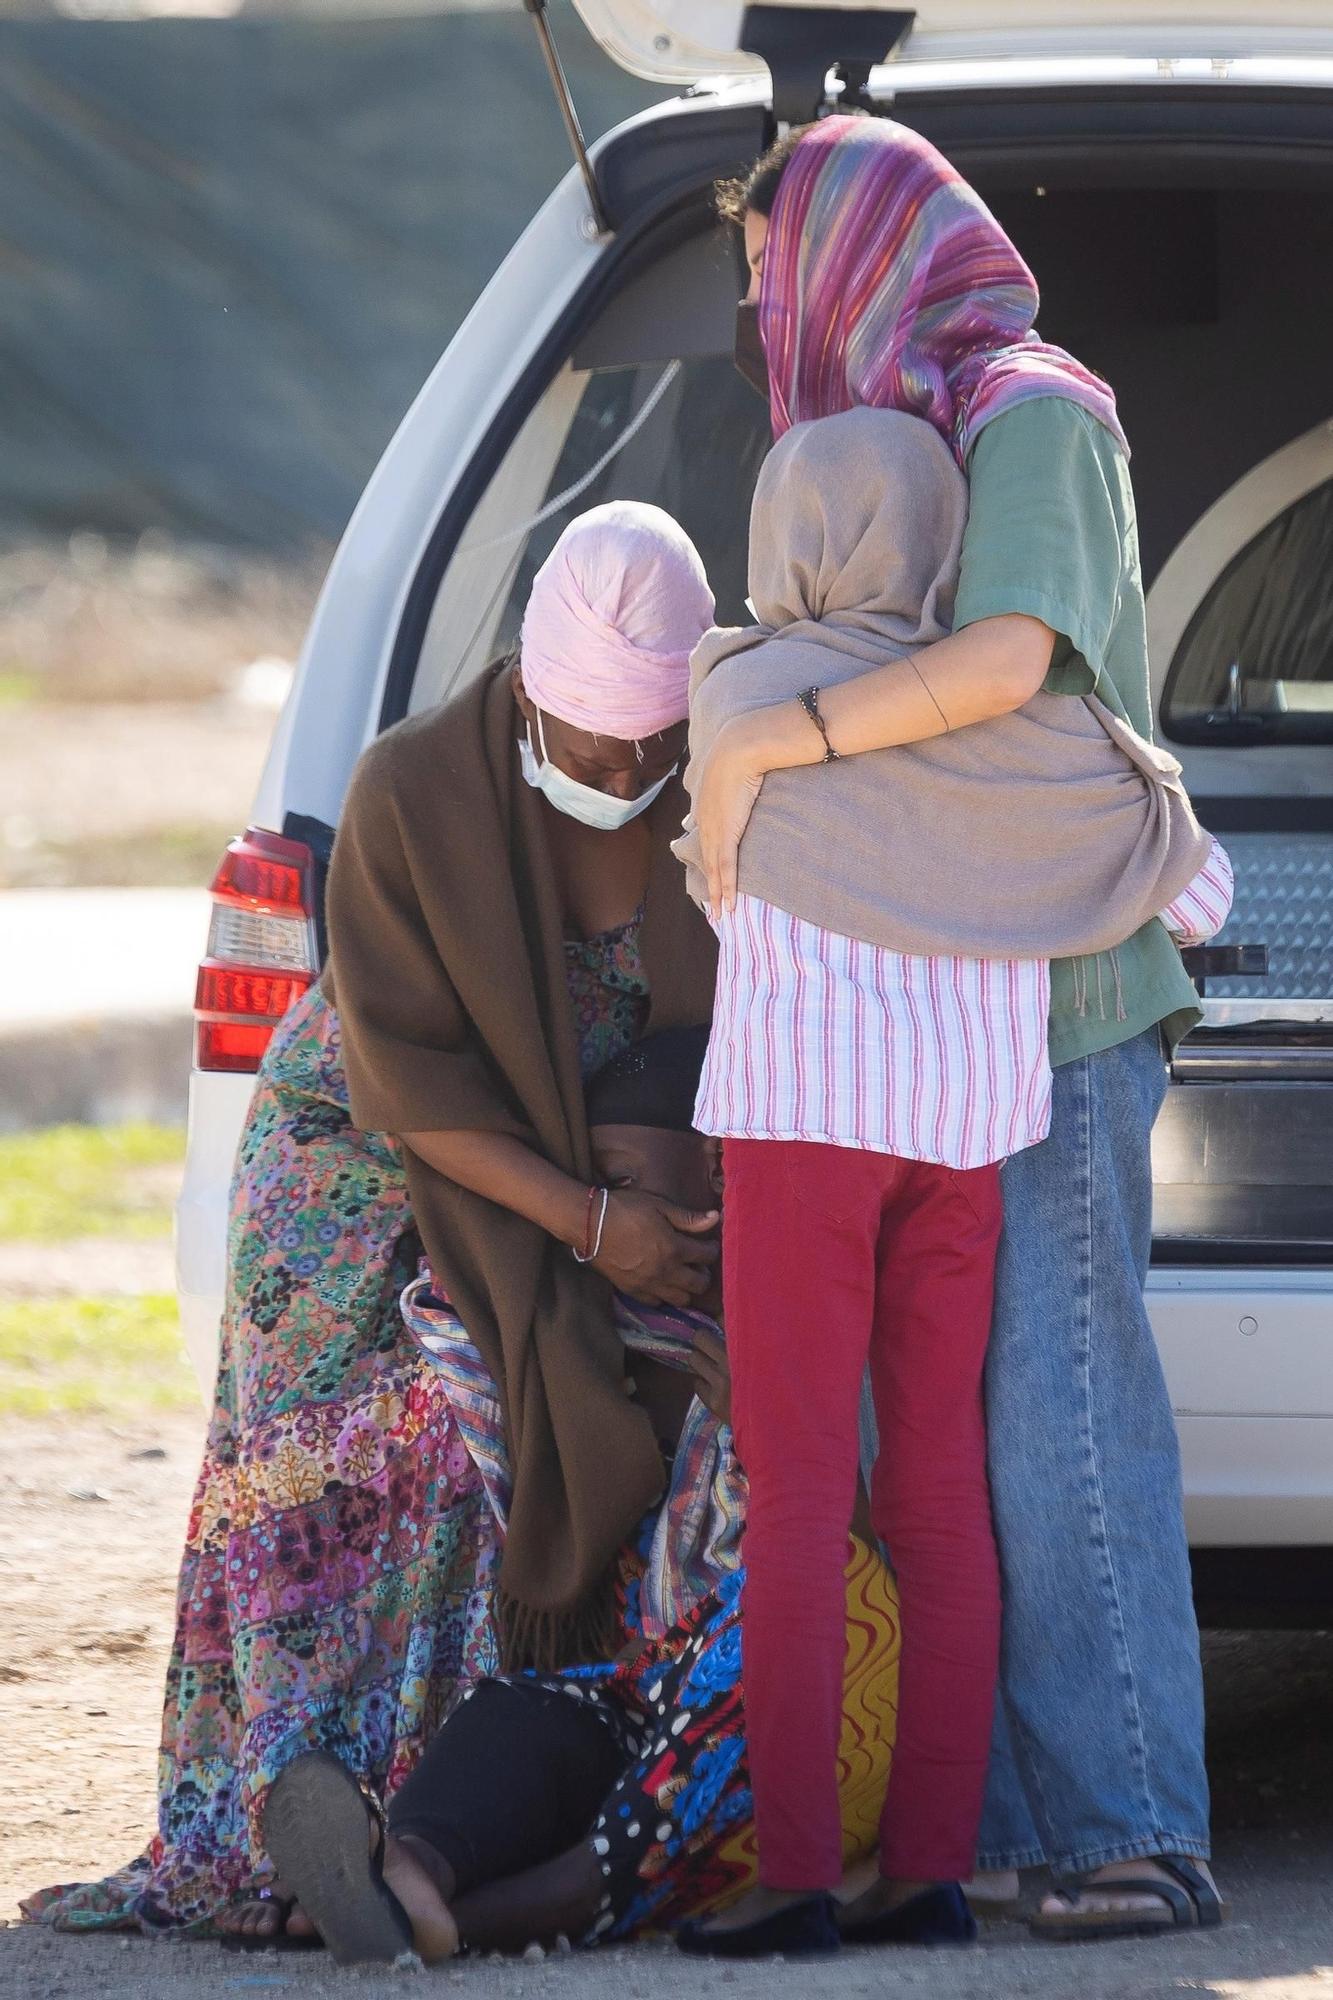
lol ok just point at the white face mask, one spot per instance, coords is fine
(581, 802)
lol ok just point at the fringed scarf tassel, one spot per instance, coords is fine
(1079, 970)
(546, 1641)
(1120, 1013)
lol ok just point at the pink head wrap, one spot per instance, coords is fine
(614, 613)
(888, 283)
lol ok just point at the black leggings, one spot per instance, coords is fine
(516, 1776)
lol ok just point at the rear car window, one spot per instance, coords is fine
(687, 435)
(698, 457)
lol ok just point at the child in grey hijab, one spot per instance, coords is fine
(1052, 832)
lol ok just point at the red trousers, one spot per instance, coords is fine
(833, 1258)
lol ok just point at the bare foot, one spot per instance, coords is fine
(264, 1918)
(434, 1932)
(755, 1905)
(993, 1887)
(1099, 1892)
(878, 1899)
(861, 1876)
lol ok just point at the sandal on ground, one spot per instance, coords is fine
(279, 1940)
(807, 1929)
(1188, 1899)
(938, 1915)
(317, 1822)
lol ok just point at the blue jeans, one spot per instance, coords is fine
(1098, 1751)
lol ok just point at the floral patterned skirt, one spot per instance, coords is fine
(338, 1563)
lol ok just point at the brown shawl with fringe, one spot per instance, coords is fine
(447, 966)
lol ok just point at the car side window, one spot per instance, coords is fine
(1255, 664)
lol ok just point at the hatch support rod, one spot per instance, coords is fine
(560, 85)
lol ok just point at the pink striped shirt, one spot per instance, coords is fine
(821, 1038)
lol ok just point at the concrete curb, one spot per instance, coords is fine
(96, 987)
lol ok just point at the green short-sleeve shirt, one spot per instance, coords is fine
(1052, 532)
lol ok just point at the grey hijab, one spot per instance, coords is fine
(1052, 832)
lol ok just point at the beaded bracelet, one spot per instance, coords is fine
(809, 700)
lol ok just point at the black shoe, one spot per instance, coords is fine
(803, 1930)
(939, 1915)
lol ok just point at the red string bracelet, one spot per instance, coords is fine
(582, 1256)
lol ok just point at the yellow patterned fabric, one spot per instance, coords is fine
(869, 1721)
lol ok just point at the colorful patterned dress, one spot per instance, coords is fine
(675, 1838)
(335, 1586)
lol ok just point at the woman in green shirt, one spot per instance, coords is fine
(879, 277)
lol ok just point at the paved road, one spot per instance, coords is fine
(1272, 1753)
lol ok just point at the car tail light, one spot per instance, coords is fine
(261, 949)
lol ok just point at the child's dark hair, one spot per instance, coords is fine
(655, 1082)
(757, 190)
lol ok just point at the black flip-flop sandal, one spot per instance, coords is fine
(1190, 1902)
(317, 1821)
(279, 1940)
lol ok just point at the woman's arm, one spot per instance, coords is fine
(651, 1248)
(506, 1171)
(989, 669)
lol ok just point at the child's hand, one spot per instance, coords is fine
(712, 1375)
(731, 780)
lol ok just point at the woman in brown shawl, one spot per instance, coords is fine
(492, 942)
(505, 916)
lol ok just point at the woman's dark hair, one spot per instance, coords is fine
(758, 189)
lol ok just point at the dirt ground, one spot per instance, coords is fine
(87, 1590)
(138, 692)
(93, 1517)
(93, 1266)
(123, 793)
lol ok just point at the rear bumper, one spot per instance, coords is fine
(1258, 1482)
(1248, 1356)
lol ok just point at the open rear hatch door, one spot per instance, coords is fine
(687, 41)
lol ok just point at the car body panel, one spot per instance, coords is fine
(685, 41)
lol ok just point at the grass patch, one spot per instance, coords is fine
(89, 1180)
(83, 1357)
(17, 688)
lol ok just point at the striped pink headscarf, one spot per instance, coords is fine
(613, 615)
(888, 283)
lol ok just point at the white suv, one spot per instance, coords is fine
(1168, 172)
